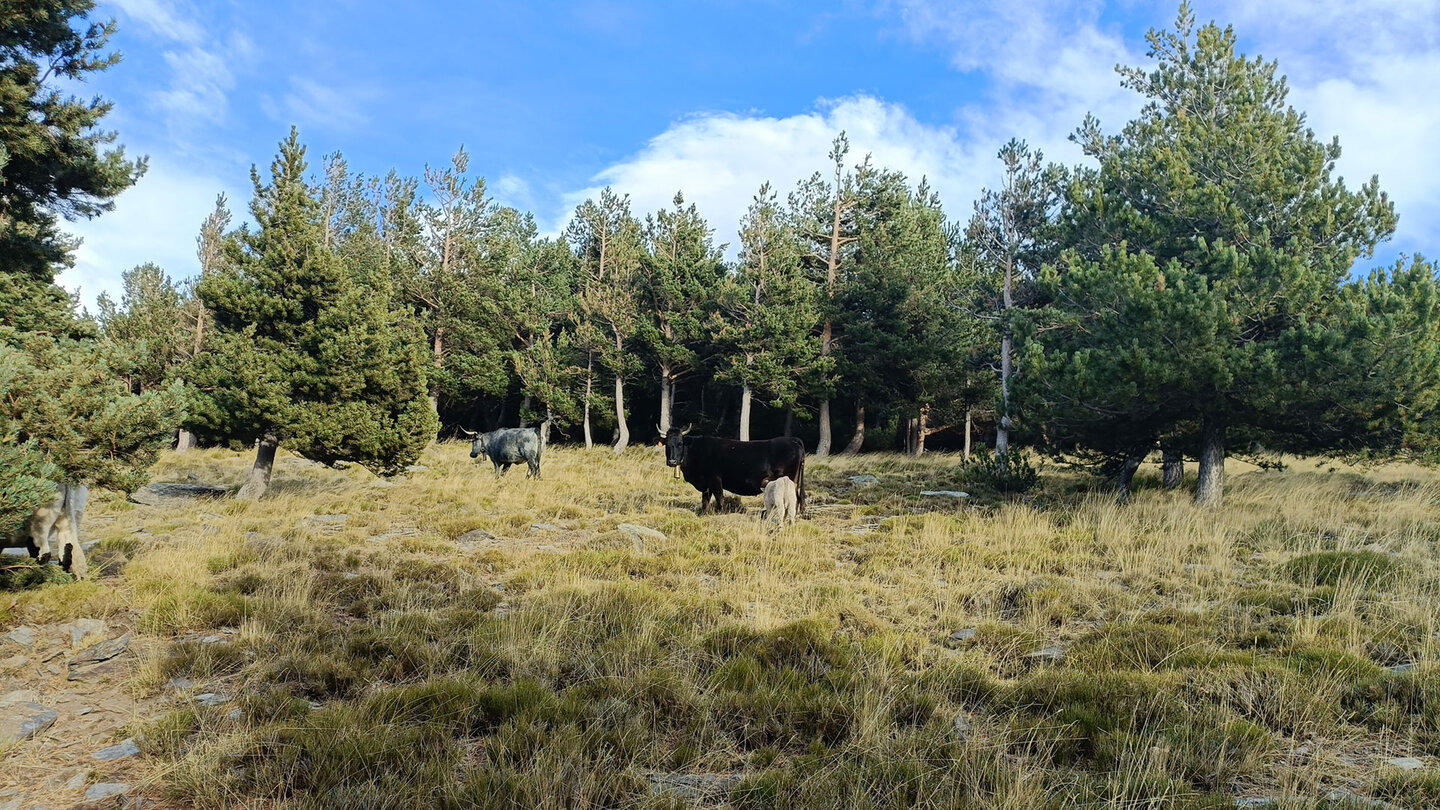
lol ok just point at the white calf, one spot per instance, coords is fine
(780, 497)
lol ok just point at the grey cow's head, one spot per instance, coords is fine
(675, 446)
(477, 442)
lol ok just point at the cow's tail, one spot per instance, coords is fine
(800, 482)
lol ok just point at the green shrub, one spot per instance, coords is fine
(1009, 473)
(1367, 568)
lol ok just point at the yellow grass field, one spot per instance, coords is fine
(1055, 650)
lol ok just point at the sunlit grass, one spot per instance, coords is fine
(1200, 650)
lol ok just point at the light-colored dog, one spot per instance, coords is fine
(50, 533)
(780, 501)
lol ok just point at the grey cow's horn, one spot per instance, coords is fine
(467, 432)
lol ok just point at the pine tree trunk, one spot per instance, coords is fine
(589, 387)
(622, 430)
(745, 412)
(1002, 427)
(1126, 475)
(184, 441)
(260, 473)
(924, 425)
(789, 420)
(438, 347)
(968, 430)
(667, 398)
(822, 447)
(858, 440)
(1173, 467)
(1211, 485)
(524, 407)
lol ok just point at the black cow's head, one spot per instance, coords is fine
(675, 446)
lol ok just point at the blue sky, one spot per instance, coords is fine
(554, 100)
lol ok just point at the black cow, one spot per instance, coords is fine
(508, 446)
(714, 465)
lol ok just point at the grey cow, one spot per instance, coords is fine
(508, 446)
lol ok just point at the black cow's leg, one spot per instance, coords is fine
(704, 501)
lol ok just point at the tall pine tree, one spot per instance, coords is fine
(302, 353)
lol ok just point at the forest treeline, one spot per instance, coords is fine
(1196, 288)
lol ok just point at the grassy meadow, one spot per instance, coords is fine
(1055, 650)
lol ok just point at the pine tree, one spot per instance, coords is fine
(150, 322)
(767, 324)
(606, 238)
(825, 217)
(65, 414)
(1250, 239)
(1009, 236)
(680, 270)
(302, 353)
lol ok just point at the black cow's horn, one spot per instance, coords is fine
(658, 430)
(687, 429)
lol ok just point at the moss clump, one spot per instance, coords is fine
(1365, 568)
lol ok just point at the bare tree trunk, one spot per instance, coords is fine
(1173, 466)
(524, 406)
(1002, 427)
(667, 398)
(858, 440)
(260, 473)
(1211, 484)
(438, 348)
(924, 425)
(184, 441)
(822, 448)
(745, 412)
(968, 431)
(545, 427)
(589, 387)
(1126, 475)
(622, 430)
(790, 420)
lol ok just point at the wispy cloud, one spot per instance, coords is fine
(162, 17)
(308, 103)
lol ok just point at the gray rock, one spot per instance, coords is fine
(81, 629)
(212, 698)
(168, 494)
(1406, 763)
(178, 684)
(104, 790)
(1405, 667)
(545, 527)
(963, 635)
(76, 782)
(103, 651)
(212, 639)
(1054, 652)
(948, 493)
(692, 786)
(234, 715)
(963, 726)
(474, 536)
(84, 710)
(327, 524)
(24, 720)
(644, 532)
(416, 468)
(13, 804)
(14, 552)
(121, 750)
(13, 662)
(24, 636)
(1350, 799)
(1259, 801)
(351, 575)
(863, 480)
(1195, 568)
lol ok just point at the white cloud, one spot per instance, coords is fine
(1366, 72)
(719, 160)
(163, 18)
(157, 220)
